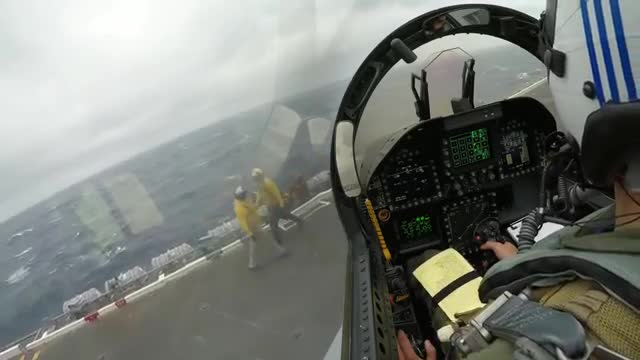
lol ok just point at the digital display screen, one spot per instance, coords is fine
(462, 222)
(470, 147)
(515, 151)
(416, 228)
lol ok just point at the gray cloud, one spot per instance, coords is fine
(85, 84)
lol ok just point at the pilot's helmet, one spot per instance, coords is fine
(592, 51)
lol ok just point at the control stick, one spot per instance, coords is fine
(488, 230)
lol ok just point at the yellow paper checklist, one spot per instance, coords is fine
(443, 269)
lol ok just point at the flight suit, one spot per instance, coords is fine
(607, 320)
(270, 196)
(250, 223)
(247, 216)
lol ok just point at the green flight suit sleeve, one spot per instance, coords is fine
(498, 349)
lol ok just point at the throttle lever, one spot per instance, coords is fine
(416, 344)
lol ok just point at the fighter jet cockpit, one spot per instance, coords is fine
(442, 143)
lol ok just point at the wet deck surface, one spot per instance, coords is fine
(289, 308)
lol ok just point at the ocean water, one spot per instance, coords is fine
(132, 212)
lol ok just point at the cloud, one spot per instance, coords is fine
(86, 84)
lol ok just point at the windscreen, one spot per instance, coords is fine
(501, 70)
(165, 186)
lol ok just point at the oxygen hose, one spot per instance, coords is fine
(529, 230)
(531, 223)
(542, 194)
(563, 192)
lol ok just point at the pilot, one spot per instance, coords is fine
(249, 220)
(269, 195)
(585, 278)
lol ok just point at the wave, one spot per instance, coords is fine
(201, 164)
(19, 234)
(31, 260)
(22, 253)
(18, 275)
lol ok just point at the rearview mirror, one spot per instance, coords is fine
(345, 161)
(466, 17)
(456, 19)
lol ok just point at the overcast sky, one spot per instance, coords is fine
(86, 84)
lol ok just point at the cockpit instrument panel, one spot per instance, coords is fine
(469, 147)
(443, 176)
(416, 227)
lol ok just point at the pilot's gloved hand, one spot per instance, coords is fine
(405, 350)
(501, 250)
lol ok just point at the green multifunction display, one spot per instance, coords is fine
(416, 228)
(470, 147)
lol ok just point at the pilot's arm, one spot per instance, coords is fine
(496, 350)
(501, 250)
(405, 350)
